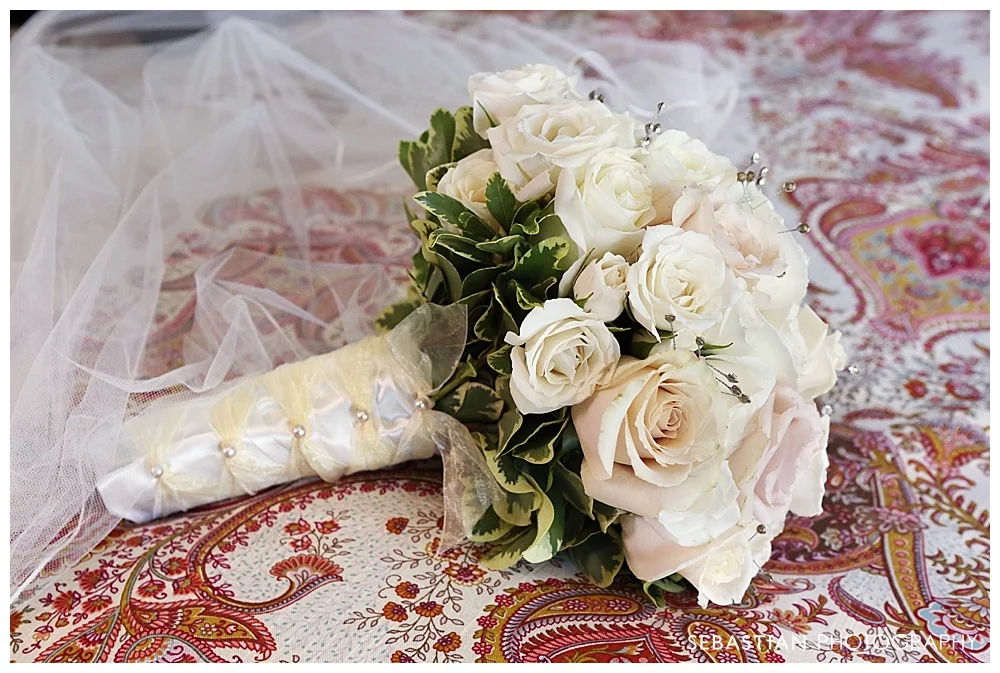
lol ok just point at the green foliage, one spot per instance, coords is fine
(501, 270)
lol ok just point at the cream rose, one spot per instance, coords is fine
(561, 354)
(674, 160)
(679, 282)
(749, 238)
(605, 203)
(532, 147)
(654, 444)
(781, 464)
(601, 285)
(779, 297)
(500, 95)
(818, 353)
(466, 182)
(721, 570)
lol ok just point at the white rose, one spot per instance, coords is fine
(532, 147)
(818, 354)
(749, 238)
(654, 444)
(500, 95)
(560, 356)
(674, 160)
(781, 463)
(466, 182)
(679, 282)
(604, 204)
(601, 285)
(779, 297)
(721, 570)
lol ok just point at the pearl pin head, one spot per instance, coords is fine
(156, 472)
(422, 404)
(227, 450)
(299, 431)
(361, 415)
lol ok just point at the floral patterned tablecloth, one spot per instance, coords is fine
(882, 120)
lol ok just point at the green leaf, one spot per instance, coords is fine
(539, 454)
(458, 245)
(600, 558)
(501, 246)
(467, 141)
(642, 343)
(476, 300)
(490, 527)
(516, 508)
(441, 137)
(509, 424)
(500, 201)
(525, 211)
(480, 279)
(499, 360)
(471, 403)
(605, 515)
(541, 261)
(488, 326)
(394, 315)
(550, 524)
(535, 428)
(452, 211)
(527, 228)
(656, 590)
(432, 149)
(506, 471)
(539, 447)
(452, 279)
(507, 320)
(525, 299)
(571, 486)
(579, 528)
(509, 552)
(434, 176)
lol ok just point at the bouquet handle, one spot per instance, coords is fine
(365, 406)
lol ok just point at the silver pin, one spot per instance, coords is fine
(826, 410)
(755, 159)
(659, 108)
(299, 431)
(853, 369)
(788, 187)
(802, 228)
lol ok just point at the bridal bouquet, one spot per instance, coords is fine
(639, 370)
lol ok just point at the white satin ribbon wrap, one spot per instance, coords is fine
(362, 407)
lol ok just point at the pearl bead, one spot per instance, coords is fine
(853, 369)
(422, 404)
(156, 471)
(299, 431)
(361, 415)
(826, 410)
(227, 450)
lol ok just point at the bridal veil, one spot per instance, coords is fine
(199, 196)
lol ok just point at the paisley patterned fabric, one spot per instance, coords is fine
(883, 122)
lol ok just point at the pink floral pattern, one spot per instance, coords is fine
(882, 121)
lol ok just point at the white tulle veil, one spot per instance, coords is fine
(200, 196)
